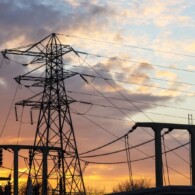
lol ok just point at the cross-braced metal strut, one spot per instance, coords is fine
(54, 125)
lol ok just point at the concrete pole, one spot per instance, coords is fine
(44, 173)
(158, 157)
(15, 150)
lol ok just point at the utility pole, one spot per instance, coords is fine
(54, 124)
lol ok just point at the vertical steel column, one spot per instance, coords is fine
(158, 157)
(193, 155)
(15, 150)
(44, 173)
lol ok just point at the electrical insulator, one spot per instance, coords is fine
(1, 157)
(16, 113)
(30, 158)
(31, 117)
(59, 158)
(59, 163)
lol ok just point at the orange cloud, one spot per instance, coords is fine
(166, 74)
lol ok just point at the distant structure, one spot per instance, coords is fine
(157, 128)
(161, 191)
(54, 139)
(160, 188)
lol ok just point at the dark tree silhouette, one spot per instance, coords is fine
(128, 186)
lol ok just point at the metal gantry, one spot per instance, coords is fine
(157, 128)
(61, 172)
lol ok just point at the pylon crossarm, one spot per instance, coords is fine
(40, 81)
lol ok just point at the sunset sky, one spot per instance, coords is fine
(146, 51)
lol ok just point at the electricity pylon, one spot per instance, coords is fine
(54, 125)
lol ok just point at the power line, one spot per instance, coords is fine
(132, 104)
(128, 154)
(132, 75)
(128, 109)
(152, 121)
(138, 62)
(124, 162)
(145, 85)
(9, 111)
(117, 151)
(128, 45)
(98, 116)
(116, 91)
(104, 129)
(161, 105)
(96, 124)
(178, 141)
(119, 108)
(183, 145)
(105, 145)
(12, 170)
(20, 126)
(144, 114)
(132, 147)
(104, 96)
(141, 159)
(129, 148)
(166, 161)
(127, 120)
(122, 96)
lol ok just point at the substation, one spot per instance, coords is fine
(54, 155)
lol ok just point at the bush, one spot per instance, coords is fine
(128, 186)
(95, 191)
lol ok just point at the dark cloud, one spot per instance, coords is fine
(21, 20)
(35, 19)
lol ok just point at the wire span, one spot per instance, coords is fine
(140, 102)
(118, 151)
(131, 75)
(105, 145)
(8, 114)
(122, 95)
(128, 45)
(145, 85)
(139, 159)
(128, 109)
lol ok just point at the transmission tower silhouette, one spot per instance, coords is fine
(54, 126)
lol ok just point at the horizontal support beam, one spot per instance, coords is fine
(27, 147)
(5, 178)
(165, 125)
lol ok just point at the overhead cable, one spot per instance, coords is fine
(9, 111)
(128, 45)
(140, 102)
(131, 75)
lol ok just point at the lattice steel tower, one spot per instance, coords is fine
(54, 125)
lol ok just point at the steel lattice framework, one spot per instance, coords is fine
(54, 125)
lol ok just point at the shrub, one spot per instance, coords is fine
(128, 186)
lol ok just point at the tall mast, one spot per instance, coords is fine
(54, 124)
